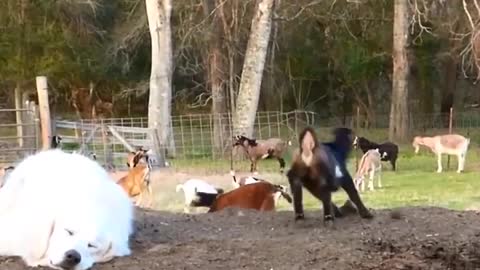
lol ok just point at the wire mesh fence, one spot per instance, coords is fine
(19, 130)
(204, 141)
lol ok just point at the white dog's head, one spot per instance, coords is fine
(78, 246)
(78, 242)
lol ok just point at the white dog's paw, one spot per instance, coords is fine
(31, 262)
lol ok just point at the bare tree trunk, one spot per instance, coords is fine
(217, 66)
(254, 63)
(159, 105)
(398, 126)
(448, 89)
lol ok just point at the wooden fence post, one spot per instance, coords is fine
(18, 115)
(46, 125)
(450, 127)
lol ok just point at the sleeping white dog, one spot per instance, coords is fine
(63, 211)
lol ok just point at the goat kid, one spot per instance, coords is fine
(236, 183)
(449, 144)
(370, 163)
(321, 169)
(198, 193)
(388, 150)
(137, 180)
(262, 149)
(259, 196)
(250, 180)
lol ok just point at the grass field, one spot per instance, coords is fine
(415, 183)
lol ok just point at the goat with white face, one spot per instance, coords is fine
(370, 163)
(198, 193)
(450, 144)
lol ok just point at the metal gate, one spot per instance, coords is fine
(19, 130)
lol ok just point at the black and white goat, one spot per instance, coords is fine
(262, 149)
(56, 141)
(388, 150)
(321, 169)
(198, 193)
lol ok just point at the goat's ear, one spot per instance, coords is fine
(136, 159)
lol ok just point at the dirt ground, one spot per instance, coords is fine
(406, 238)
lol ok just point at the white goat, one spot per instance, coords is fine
(198, 193)
(236, 183)
(370, 163)
(251, 180)
(449, 144)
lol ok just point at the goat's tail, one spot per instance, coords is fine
(179, 187)
(284, 194)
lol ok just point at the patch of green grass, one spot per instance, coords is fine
(415, 183)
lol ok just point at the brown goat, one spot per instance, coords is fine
(321, 169)
(259, 196)
(262, 149)
(137, 180)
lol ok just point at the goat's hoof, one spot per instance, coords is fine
(328, 221)
(299, 216)
(366, 214)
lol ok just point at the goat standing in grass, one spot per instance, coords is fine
(198, 193)
(321, 169)
(388, 150)
(262, 149)
(369, 164)
(137, 180)
(450, 144)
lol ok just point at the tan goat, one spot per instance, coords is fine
(450, 144)
(370, 163)
(137, 180)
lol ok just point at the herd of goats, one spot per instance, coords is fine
(321, 168)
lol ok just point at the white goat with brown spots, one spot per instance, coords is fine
(450, 144)
(370, 163)
(262, 149)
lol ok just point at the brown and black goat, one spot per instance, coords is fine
(260, 196)
(262, 149)
(321, 169)
(137, 180)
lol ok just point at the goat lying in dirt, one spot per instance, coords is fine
(259, 196)
(250, 180)
(137, 180)
(450, 144)
(388, 150)
(321, 169)
(243, 180)
(370, 163)
(262, 149)
(198, 193)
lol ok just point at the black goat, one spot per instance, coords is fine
(388, 150)
(321, 169)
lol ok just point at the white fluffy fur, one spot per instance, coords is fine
(191, 187)
(54, 202)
